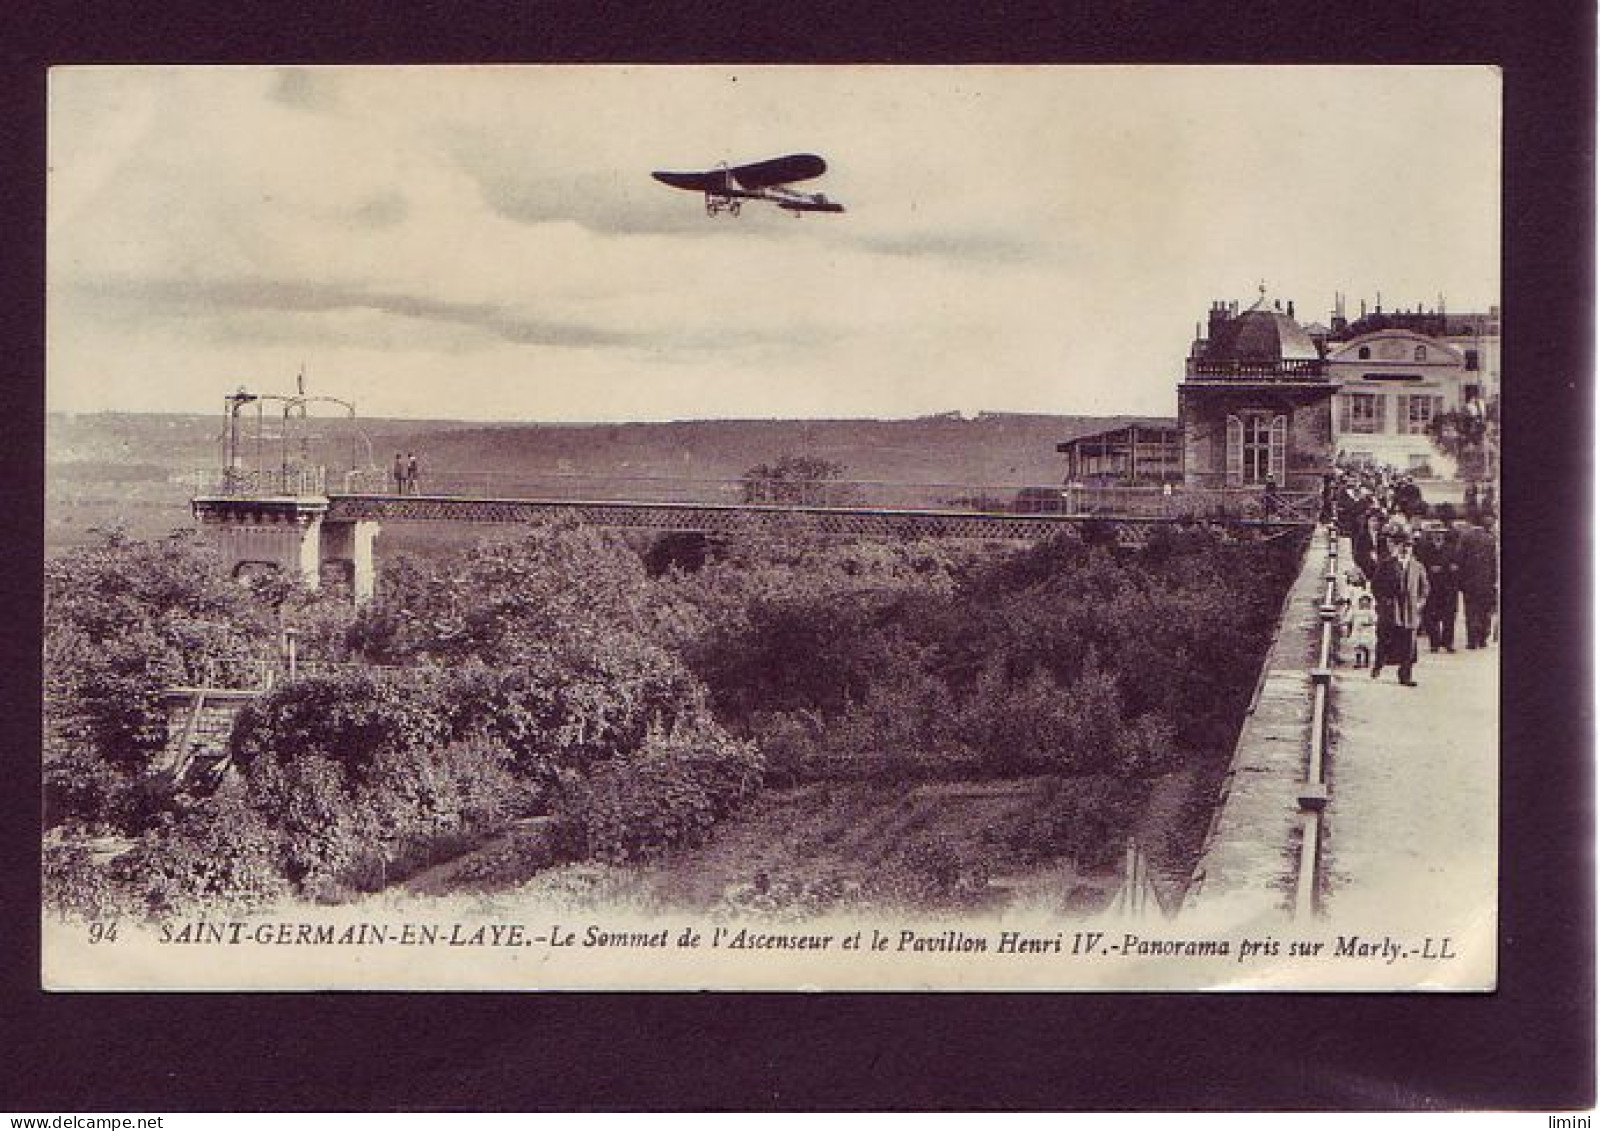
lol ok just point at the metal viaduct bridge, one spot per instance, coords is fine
(298, 522)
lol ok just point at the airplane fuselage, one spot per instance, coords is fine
(721, 199)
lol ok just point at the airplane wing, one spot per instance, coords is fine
(695, 182)
(779, 171)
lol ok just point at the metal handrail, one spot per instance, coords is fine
(1314, 790)
(251, 483)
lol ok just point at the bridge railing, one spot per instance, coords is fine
(258, 483)
(854, 494)
(1313, 792)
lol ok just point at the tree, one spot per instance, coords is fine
(504, 600)
(799, 481)
(1469, 438)
(123, 619)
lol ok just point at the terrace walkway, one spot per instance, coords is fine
(1408, 836)
(1413, 782)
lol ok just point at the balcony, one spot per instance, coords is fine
(1275, 371)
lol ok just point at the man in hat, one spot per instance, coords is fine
(1437, 551)
(1366, 545)
(1401, 589)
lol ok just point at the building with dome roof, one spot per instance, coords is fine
(1253, 406)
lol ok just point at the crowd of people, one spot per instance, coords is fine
(1417, 566)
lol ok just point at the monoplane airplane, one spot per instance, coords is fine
(726, 189)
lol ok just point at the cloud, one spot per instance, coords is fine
(266, 310)
(617, 202)
(190, 297)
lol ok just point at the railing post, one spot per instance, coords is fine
(1313, 792)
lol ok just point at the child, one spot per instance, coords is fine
(1362, 629)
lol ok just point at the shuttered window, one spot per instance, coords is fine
(1416, 410)
(1361, 413)
(1257, 448)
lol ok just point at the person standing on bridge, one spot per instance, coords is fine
(1367, 544)
(1480, 581)
(413, 473)
(1438, 553)
(1400, 588)
(398, 474)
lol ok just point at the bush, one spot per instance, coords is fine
(72, 884)
(418, 808)
(785, 899)
(82, 787)
(351, 718)
(928, 875)
(122, 620)
(582, 887)
(558, 711)
(791, 745)
(560, 586)
(309, 802)
(1085, 818)
(666, 798)
(220, 857)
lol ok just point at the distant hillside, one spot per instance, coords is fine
(134, 470)
(1003, 449)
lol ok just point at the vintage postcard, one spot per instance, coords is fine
(784, 528)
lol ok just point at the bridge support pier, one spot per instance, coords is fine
(348, 547)
(292, 535)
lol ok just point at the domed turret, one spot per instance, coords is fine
(1262, 336)
(1263, 342)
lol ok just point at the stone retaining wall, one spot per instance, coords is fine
(1248, 867)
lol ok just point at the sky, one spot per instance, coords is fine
(487, 243)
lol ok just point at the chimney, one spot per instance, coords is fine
(1291, 308)
(1219, 316)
